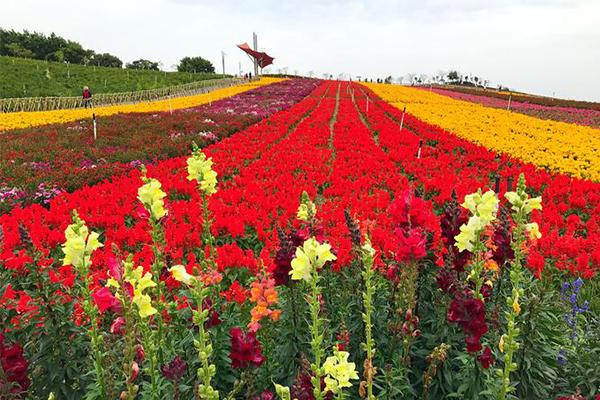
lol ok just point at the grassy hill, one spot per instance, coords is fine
(20, 77)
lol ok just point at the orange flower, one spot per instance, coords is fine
(264, 295)
(491, 265)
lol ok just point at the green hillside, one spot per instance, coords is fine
(20, 77)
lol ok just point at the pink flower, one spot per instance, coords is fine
(105, 300)
(118, 326)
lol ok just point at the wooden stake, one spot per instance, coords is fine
(402, 120)
(420, 146)
(94, 123)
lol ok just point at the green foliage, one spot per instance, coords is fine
(52, 48)
(143, 64)
(195, 65)
(20, 77)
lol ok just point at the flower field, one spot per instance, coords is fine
(580, 116)
(38, 163)
(557, 146)
(18, 120)
(320, 243)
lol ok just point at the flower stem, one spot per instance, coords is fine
(316, 334)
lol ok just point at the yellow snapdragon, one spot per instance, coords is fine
(151, 196)
(79, 244)
(310, 257)
(141, 281)
(338, 371)
(483, 208)
(200, 169)
(306, 209)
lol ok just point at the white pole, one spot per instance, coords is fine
(419, 152)
(402, 120)
(509, 98)
(94, 123)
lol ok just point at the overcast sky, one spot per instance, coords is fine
(546, 47)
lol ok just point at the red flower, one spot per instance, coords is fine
(105, 300)
(469, 313)
(266, 395)
(486, 358)
(118, 326)
(412, 244)
(236, 292)
(14, 365)
(174, 370)
(245, 349)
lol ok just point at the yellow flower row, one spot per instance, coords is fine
(556, 146)
(19, 120)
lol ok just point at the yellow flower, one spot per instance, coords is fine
(282, 391)
(311, 256)
(338, 371)
(488, 207)
(307, 208)
(534, 230)
(516, 306)
(471, 202)
(180, 274)
(141, 281)
(368, 249)
(534, 203)
(151, 196)
(144, 304)
(200, 169)
(301, 267)
(465, 240)
(501, 343)
(79, 244)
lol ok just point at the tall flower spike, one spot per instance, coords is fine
(483, 211)
(151, 195)
(79, 244)
(141, 281)
(307, 209)
(200, 169)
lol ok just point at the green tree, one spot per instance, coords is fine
(453, 76)
(16, 50)
(143, 64)
(106, 60)
(195, 64)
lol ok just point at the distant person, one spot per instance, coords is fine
(87, 97)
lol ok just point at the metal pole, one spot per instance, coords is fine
(223, 61)
(255, 40)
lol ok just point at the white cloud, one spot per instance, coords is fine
(541, 46)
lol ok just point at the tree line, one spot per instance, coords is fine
(52, 47)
